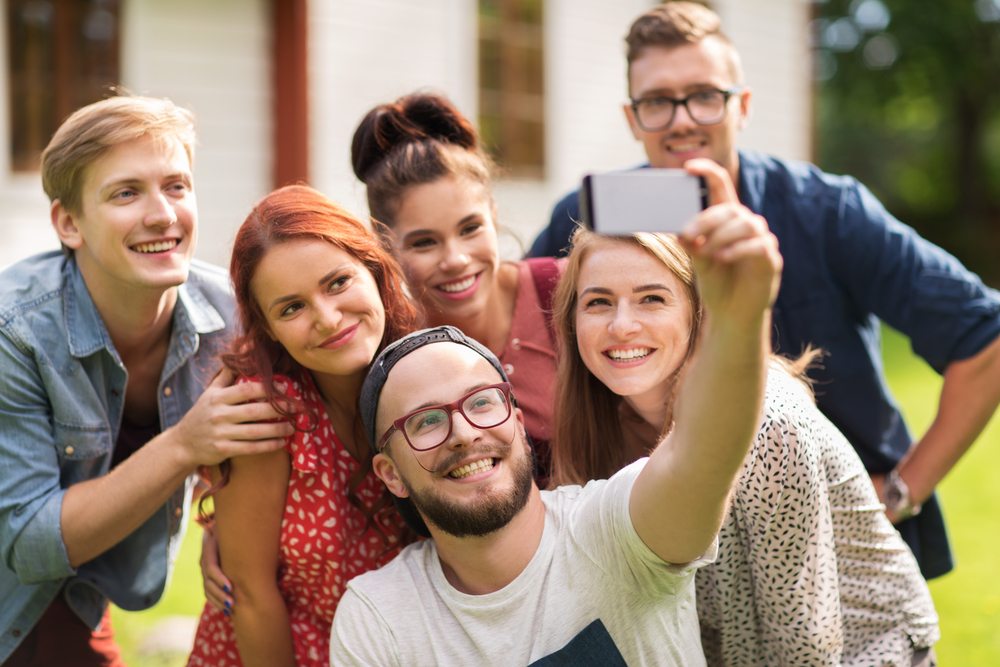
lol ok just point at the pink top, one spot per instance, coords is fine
(324, 541)
(529, 359)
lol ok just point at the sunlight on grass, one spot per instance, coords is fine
(968, 599)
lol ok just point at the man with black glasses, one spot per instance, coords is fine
(848, 264)
(599, 575)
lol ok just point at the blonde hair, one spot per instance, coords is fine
(93, 130)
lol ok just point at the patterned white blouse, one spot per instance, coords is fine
(810, 571)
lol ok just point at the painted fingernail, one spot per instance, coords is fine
(227, 612)
(229, 605)
(227, 589)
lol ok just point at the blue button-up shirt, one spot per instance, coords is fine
(62, 392)
(848, 264)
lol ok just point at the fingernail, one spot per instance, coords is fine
(229, 605)
(227, 589)
(227, 612)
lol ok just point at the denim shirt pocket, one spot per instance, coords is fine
(84, 450)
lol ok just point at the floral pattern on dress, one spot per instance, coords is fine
(325, 540)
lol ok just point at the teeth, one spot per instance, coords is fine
(458, 286)
(471, 468)
(158, 246)
(629, 354)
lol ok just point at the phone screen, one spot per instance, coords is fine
(642, 200)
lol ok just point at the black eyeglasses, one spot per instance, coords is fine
(706, 107)
(430, 427)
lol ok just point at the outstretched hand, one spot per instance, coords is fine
(230, 420)
(734, 253)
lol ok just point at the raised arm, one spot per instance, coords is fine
(678, 501)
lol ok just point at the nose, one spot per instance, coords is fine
(624, 323)
(463, 433)
(455, 257)
(328, 316)
(682, 118)
(160, 212)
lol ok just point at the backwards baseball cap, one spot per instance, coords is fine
(371, 391)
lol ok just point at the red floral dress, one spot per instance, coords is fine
(325, 540)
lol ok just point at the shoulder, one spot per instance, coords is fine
(404, 577)
(26, 283)
(208, 295)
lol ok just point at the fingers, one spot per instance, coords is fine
(720, 185)
(218, 589)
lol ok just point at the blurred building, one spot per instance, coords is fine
(278, 87)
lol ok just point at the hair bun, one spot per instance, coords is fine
(412, 118)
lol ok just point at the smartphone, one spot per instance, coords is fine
(641, 200)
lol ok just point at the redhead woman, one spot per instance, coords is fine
(429, 182)
(810, 571)
(318, 297)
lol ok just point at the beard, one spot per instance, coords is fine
(490, 511)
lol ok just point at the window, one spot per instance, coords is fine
(512, 84)
(62, 54)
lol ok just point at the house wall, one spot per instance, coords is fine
(211, 57)
(214, 57)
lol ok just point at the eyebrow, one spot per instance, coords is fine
(467, 390)
(426, 232)
(117, 182)
(292, 297)
(650, 287)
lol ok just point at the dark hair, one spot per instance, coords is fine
(417, 139)
(291, 213)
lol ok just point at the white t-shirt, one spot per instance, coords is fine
(592, 590)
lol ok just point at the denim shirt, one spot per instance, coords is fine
(62, 393)
(848, 264)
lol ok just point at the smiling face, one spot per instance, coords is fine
(479, 479)
(633, 328)
(446, 241)
(321, 304)
(137, 223)
(678, 72)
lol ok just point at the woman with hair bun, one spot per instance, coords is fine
(429, 182)
(318, 298)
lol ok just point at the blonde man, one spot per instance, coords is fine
(107, 401)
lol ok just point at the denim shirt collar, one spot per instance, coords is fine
(86, 332)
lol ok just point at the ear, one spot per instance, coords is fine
(65, 225)
(745, 107)
(632, 124)
(385, 469)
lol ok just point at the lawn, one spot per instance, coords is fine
(968, 600)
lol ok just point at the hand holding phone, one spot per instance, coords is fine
(642, 200)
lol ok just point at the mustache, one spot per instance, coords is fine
(496, 450)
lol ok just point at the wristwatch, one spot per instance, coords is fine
(897, 497)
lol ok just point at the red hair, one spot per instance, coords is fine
(298, 212)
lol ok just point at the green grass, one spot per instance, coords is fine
(968, 599)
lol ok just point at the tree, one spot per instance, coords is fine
(909, 102)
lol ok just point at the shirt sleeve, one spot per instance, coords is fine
(910, 283)
(31, 496)
(600, 523)
(360, 636)
(783, 518)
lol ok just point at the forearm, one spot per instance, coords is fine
(969, 397)
(99, 513)
(717, 416)
(263, 631)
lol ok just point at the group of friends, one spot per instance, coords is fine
(656, 450)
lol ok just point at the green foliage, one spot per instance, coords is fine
(912, 109)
